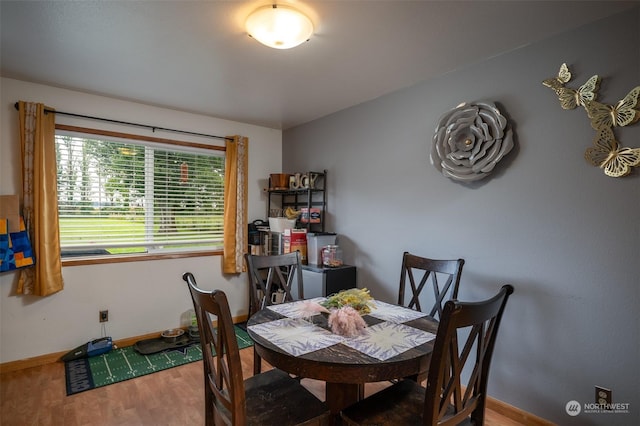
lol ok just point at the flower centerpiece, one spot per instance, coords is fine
(346, 309)
(357, 298)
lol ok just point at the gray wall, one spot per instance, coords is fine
(564, 234)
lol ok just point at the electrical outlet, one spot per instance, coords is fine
(104, 316)
(603, 396)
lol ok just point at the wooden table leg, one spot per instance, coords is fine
(341, 395)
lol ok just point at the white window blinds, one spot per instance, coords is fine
(118, 196)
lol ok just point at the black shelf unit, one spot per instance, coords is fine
(308, 198)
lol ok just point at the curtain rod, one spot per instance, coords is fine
(153, 128)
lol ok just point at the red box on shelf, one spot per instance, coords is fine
(310, 217)
(296, 240)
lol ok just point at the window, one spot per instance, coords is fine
(122, 195)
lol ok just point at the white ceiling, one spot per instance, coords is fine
(195, 56)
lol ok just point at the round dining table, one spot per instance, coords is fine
(344, 369)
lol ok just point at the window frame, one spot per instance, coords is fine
(135, 257)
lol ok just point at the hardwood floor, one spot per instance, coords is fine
(37, 396)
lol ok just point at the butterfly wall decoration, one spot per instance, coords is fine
(607, 154)
(571, 98)
(606, 151)
(621, 114)
(564, 76)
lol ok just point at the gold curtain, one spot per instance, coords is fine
(40, 200)
(235, 204)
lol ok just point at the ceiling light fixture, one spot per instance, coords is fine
(279, 26)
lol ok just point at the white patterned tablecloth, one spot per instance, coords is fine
(394, 313)
(381, 341)
(386, 340)
(296, 336)
(295, 309)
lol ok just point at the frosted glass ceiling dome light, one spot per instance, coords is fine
(279, 26)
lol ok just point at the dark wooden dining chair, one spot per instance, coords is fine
(444, 276)
(269, 398)
(463, 348)
(267, 275)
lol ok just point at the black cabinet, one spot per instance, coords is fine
(322, 282)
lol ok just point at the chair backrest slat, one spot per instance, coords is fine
(433, 271)
(268, 274)
(464, 326)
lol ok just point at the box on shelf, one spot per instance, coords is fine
(296, 239)
(310, 215)
(315, 242)
(280, 224)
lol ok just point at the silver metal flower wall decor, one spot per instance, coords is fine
(469, 141)
(606, 151)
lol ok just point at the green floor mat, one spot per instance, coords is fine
(125, 363)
